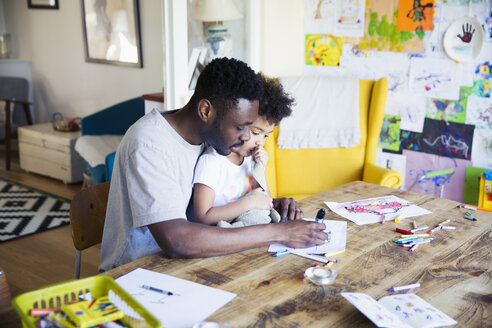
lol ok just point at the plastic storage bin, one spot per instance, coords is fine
(55, 296)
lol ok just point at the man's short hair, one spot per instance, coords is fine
(276, 103)
(226, 80)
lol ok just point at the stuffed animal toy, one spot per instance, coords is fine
(254, 216)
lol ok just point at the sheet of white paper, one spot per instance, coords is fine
(337, 17)
(191, 302)
(337, 232)
(481, 151)
(372, 210)
(437, 78)
(410, 107)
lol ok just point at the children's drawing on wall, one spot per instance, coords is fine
(435, 78)
(323, 50)
(415, 15)
(479, 112)
(411, 109)
(381, 32)
(410, 140)
(390, 133)
(447, 139)
(482, 148)
(335, 17)
(419, 163)
(482, 88)
(449, 110)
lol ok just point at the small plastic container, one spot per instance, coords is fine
(320, 275)
(56, 295)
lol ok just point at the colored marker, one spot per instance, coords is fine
(405, 287)
(157, 290)
(281, 253)
(403, 231)
(414, 224)
(331, 259)
(420, 235)
(470, 217)
(448, 228)
(444, 222)
(414, 247)
(320, 216)
(419, 229)
(92, 303)
(466, 206)
(399, 218)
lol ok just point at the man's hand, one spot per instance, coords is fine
(259, 199)
(287, 208)
(301, 234)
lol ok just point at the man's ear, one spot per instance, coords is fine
(206, 112)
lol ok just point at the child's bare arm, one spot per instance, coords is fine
(206, 213)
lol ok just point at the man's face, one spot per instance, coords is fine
(232, 130)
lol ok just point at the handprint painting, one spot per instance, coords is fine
(415, 15)
(463, 39)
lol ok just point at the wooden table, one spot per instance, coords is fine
(455, 270)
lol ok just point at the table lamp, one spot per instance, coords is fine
(218, 42)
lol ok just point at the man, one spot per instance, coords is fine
(152, 179)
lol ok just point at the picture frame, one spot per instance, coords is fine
(42, 4)
(196, 64)
(111, 32)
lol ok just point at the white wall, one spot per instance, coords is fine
(62, 81)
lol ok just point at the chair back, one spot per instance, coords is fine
(87, 215)
(15, 88)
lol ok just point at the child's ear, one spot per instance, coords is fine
(206, 112)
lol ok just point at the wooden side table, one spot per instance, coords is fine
(48, 152)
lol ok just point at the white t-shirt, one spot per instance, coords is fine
(152, 182)
(228, 180)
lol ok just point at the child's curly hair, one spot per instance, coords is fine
(276, 102)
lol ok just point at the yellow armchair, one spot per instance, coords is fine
(299, 173)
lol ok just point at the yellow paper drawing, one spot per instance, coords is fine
(323, 50)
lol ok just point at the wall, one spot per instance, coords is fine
(285, 25)
(62, 81)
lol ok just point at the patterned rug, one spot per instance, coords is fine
(24, 211)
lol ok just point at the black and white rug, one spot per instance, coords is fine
(24, 211)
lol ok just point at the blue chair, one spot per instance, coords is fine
(113, 120)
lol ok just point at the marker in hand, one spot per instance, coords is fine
(320, 216)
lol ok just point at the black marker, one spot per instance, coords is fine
(320, 216)
(157, 290)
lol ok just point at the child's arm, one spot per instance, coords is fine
(206, 213)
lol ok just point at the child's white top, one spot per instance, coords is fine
(228, 180)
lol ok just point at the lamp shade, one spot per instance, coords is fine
(216, 10)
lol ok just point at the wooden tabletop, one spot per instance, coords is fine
(455, 270)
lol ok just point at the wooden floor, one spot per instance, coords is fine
(44, 258)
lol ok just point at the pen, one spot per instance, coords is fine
(414, 247)
(405, 287)
(470, 217)
(403, 231)
(280, 253)
(157, 290)
(320, 216)
(448, 228)
(444, 222)
(466, 206)
(331, 259)
(419, 229)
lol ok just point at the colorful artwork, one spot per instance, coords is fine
(373, 210)
(323, 50)
(482, 88)
(484, 71)
(449, 110)
(409, 107)
(419, 164)
(447, 139)
(435, 78)
(390, 133)
(479, 112)
(415, 15)
(381, 32)
(472, 184)
(482, 149)
(335, 17)
(410, 140)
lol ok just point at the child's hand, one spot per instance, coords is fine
(259, 199)
(261, 155)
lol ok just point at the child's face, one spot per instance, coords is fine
(259, 131)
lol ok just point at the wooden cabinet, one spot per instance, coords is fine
(48, 152)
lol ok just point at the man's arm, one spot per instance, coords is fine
(179, 238)
(287, 208)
